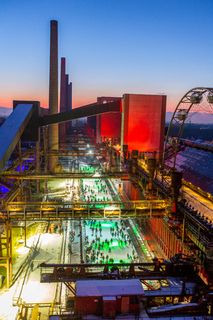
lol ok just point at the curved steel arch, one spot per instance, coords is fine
(192, 97)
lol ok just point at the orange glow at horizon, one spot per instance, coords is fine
(77, 102)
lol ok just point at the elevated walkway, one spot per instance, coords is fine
(64, 175)
(73, 272)
(51, 210)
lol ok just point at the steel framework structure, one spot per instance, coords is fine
(6, 249)
(52, 210)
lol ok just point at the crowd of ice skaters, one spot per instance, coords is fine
(96, 192)
(101, 249)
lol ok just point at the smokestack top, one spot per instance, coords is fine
(53, 80)
(53, 21)
(63, 60)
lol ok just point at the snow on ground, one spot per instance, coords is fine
(7, 311)
(33, 290)
(50, 251)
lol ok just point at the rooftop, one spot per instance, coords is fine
(100, 288)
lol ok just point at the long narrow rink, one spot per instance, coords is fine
(113, 241)
(109, 240)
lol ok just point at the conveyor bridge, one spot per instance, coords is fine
(73, 272)
(162, 273)
(38, 211)
(26, 113)
(65, 175)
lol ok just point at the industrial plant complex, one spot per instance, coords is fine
(106, 212)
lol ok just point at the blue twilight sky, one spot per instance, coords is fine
(112, 47)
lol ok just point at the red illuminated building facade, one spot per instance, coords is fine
(108, 125)
(143, 122)
(138, 126)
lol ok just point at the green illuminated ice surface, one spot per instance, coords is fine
(107, 241)
(87, 168)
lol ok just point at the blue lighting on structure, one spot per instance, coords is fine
(4, 189)
(29, 160)
(22, 168)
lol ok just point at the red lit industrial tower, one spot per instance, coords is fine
(143, 122)
(108, 125)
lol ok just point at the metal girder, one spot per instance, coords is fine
(65, 175)
(73, 153)
(79, 214)
(81, 112)
(61, 153)
(38, 211)
(6, 250)
(73, 272)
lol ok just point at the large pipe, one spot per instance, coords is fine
(69, 103)
(63, 86)
(69, 97)
(62, 126)
(53, 90)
